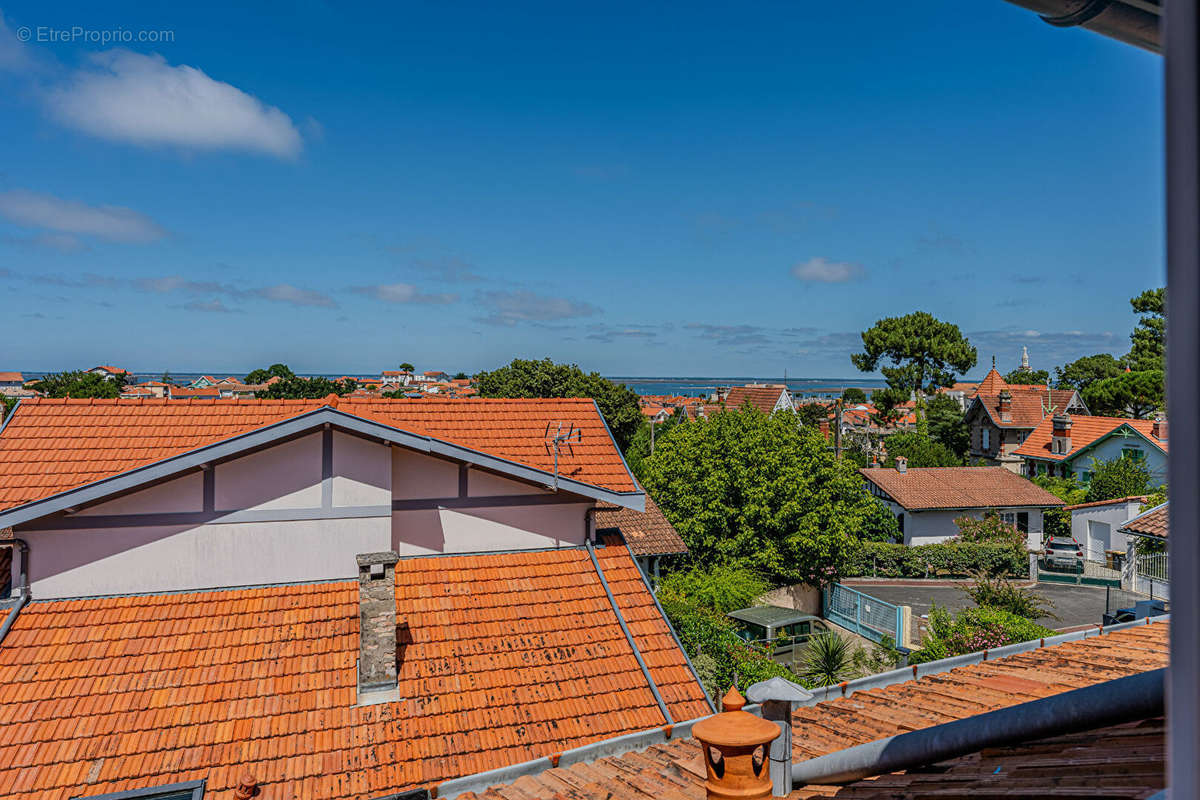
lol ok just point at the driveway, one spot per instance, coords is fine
(1075, 605)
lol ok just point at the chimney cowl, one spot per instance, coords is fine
(736, 736)
(901, 464)
(247, 787)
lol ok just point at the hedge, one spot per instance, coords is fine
(946, 560)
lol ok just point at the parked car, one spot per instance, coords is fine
(1063, 552)
(785, 629)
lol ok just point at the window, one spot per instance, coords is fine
(1085, 476)
(1023, 521)
(987, 439)
(1133, 453)
(192, 790)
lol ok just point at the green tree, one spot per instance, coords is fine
(887, 402)
(1020, 377)
(1117, 478)
(1083, 372)
(925, 353)
(946, 424)
(744, 488)
(1055, 521)
(998, 591)
(296, 387)
(723, 588)
(9, 403)
(80, 384)
(920, 450)
(813, 414)
(1133, 394)
(406, 367)
(530, 378)
(274, 371)
(460, 376)
(853, 394)
(1149, 335)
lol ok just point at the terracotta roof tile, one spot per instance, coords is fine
(1140, 498)
(959, 487)
(1153, 522)
(675, 769)
(648, 534)
(504, 658)
(763, 398)
(50, 446)
(10, 377)
(1085, 431)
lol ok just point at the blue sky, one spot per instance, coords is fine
(683, 189)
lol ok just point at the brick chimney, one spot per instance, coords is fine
(377, 621)
(901, 464)
(736, 736)
(1159, 428)
(1060, 439)
(1005, 405)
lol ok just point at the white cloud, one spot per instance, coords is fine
(209, 306)
(510, 308)
(402, 293)
(821, 270)
(129, 97)
(115, 223)
(293, 295)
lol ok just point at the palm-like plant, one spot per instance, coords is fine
(828, 659)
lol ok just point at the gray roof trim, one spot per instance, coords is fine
(261, 437)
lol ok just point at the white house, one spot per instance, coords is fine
(1097, 525)
(927, 500)
(1067, 444)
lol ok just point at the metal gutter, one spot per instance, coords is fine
(1128, 699)
(662, 706)
(1134, 22)
(25, 595)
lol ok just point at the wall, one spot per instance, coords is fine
(1110, 448)
(931, 527)
(1114, 515)
(487, 513)
(298, 511)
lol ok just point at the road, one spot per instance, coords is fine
(1075, 605)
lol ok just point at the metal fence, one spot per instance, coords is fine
(1057, 569)
(860, 613)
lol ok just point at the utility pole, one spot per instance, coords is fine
(652, 436)
(837, 430)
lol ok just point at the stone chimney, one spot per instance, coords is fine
(1005, 405)
(901, 464)
(736, 736)
(377, 622)
(1060, 439)
(1159, 429)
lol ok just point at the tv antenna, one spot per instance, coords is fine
(559, 439)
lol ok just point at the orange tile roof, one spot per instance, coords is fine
(11, 377)
(1153, 522)
(675, 769)
(924, 488)
(1085, 431)
(504, 658)
(50, 446)
(1136, 498)
(763, 398)
(1028, 405)
(113, 370)
(648, 533)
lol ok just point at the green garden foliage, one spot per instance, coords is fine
(80, 384)
(1020, 377)
(296, 387)
(639, 446)
(274, 371)
(711, 641)
(531, 378)
(854, 395)
(1055, 521)
(946, 425)
(764, 492)
(828, 659)
(972, 630)
(721, 588)
(998, 592)
(989, 529)
(1083, 372)
(1129, 394)
(946, 560)
(920, 450)
(1117, 478)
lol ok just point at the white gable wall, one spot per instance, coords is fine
(287, 514)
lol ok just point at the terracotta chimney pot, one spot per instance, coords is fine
(734, 773)
(247, 787)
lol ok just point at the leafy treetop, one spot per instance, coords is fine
(925, 353)
(406, 367)
(1083, 372)
(308, 388)
(530, 378)
(1117, 478)
(274, 371)
(80, 384)
(1133, 394)
(920, 450)
(853, 394)
(1149, 335)
(744, 488)
(1022, 377)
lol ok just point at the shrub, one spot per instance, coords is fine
(827, 659)
(1119, 477)
(989, 529)
(953, 559)
(999, 592)
(973, 629)
(721, 588)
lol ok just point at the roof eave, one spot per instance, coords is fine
(176, 465)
